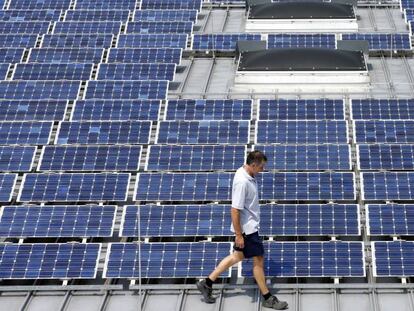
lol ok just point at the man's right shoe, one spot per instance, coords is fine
(206, 291)
(275, 303)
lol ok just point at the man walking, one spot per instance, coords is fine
(245, 216)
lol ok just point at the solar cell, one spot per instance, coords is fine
(24, 27)
(388, 186)
(97, 15)
(378, 131)
(390, 219)
(394, 41)
(44, 71)
(173, 40)
(409, 15)
(17, 40)
(65, 55)
(7, 184)
(4, 68)
(145, 55)
(39, 5)
(29, 15)
(39, 89)
(88, 27)
(136, 72)
(393, 258)
(25, 133)
(165, 15)
(77, 41)
(385, 157)
(171, 4)
(301, 41)
(32, 110)
(382, 109)
(159, 27)
(105, 5)
(11, 55)
(221, 42)
(16, 158)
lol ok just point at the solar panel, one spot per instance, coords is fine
(44, 71)
(159, 27)
(65, 55)
(145, 55)
(24, 27)
(205, 109)
(409, 15)
(390, 219)
(49, 260)
(133, 89)
(136, 72)
(406, 4)
(105, 5)
(307, 157)
(203, 132)
(29, 15)
(7, 184)
(11, 55)
(394, 41)
(377, 131)
(57, 221)
(25, 133)
(88, 27)
(165, 15)
(76, 187)
(311, 259)
(39, 5)
(385, 157)
(398, 109)
(165, 260)
(97, 15)
(90, 158)
(195, 158)
(301, 132)
(221, 42)
(388, 186)
(4, 68)
(171, 40)
(120, 110)
(77, 41)
(32, 110)
(301, 109)
(39, 89)
(17, 40)
(301, 41)
(16, 158)
(393, 258)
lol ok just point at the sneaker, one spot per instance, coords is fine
(274, 303)
(206, 291)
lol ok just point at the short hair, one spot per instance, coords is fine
(255, 156)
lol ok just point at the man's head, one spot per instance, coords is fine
(256, 160)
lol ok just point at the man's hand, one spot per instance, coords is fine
(239, 241)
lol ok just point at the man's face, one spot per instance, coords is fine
(258, 167)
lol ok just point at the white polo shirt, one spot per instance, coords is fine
(245, 197)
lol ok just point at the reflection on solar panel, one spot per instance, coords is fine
(398, 109)
(393, 258)
(165, 15)
(80, 27)
(195, 158)
(388, 186)
(301, 132)
(159, 27)
(90, 158)
(136, 72)
(11, 55)
(301, 109)
(24, 27)
(395, 41)
(307, 157)
(16, 158)
(4, 68)
(172, 40)
(105, 5)
(39, 5)
(7, 183)
(29, 15)
(204, 109)
(65, 55)
(25, 133)
(390, 219)
(71, 71)
(301, 41)
(171, 4)
(221, 42)
(39, 89)
(385, 157)
(133, 89)
(384, 132)
(120, 110)
(57, 221)
(311, 259)
(104, 132)
(97, 15)
(164, 260)
(17, 41)
(49, 261)
(32, 110)
(77, 41)
(75, 187)
(145, 55)
(203, 132)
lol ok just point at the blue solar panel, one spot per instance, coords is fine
(65, 55)
(406, 4)
(104, 132)
(398, 109)
(165, 15)
(17, 40)
(301, 132)
(301, 41)
(89, 27)
(34, 71)
(397, 41)
(159, 27)
(393, 258)
(388, 186)
(173, 40)
(409, 15)
(97, 15)
(11, 55)
(203, 132)
(49, 261)
(390, 219)
(307, 157)
(75, 187)
(384, 132)
(136, 72)
(221, 42)
(4, 68)
(39, 4)
(90, 158)
(120, 110)
(145, 55)
(204, 109)
(311, 259)
(32, 110)
(301, 109)
(134, 89)
(29, 15)
(195, 158)
(165, 260)
(385, 157)
(171, 4)
(105, 5)
(39, 89)
(77, 41)
(24, 27)
(57, 221)
(16, 158)
(25, 133)
(7, 183)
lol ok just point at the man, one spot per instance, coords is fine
(245, 216)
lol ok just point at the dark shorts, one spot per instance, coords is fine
(253, 245)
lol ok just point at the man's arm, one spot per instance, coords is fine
(235, 218)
